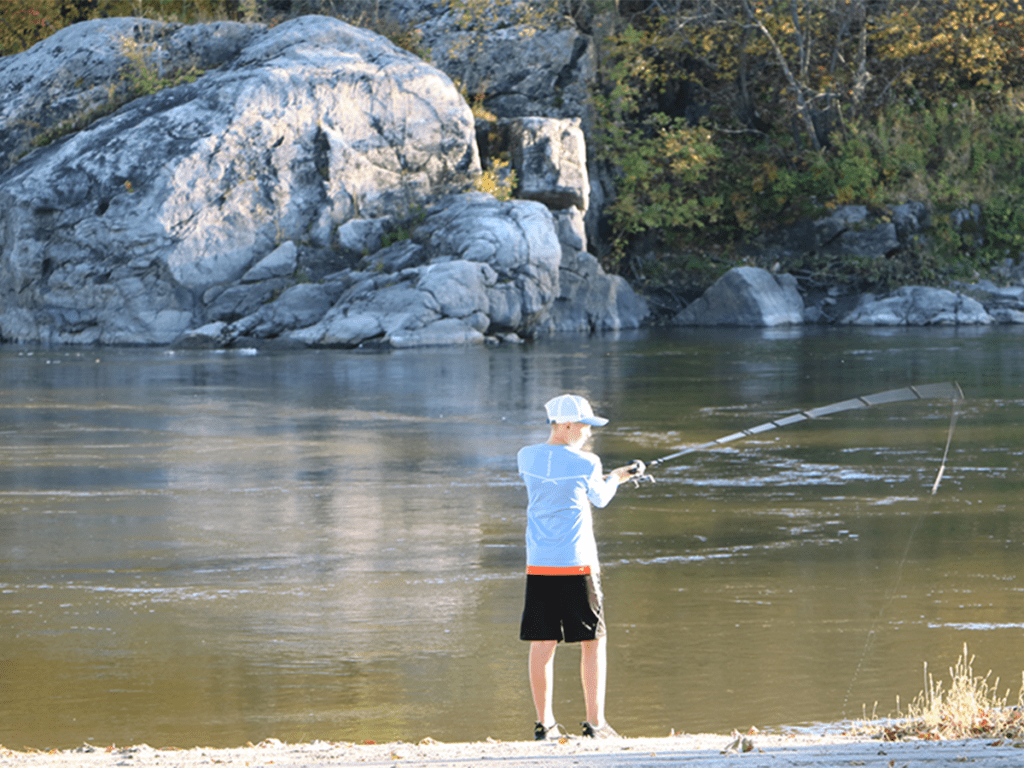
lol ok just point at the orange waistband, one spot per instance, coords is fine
(554, 570)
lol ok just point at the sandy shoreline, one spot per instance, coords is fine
(706, 750)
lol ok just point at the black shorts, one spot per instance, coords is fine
(569, 608)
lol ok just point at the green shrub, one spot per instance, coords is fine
(662, 176)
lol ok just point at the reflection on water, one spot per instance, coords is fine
(213, 548)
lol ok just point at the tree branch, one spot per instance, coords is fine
(801, 105)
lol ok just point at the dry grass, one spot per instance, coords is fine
(970, 708)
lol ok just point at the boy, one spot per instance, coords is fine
(563, 588)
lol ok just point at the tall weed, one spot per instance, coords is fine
(970, 707)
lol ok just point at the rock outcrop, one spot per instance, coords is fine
(747, 296)
(854, 231)
(519, 60)
(275, 198)
(122, 232)
(475, 265)
(591, 300)
(550, 158)
(1004, 304)
(474, 270)
(307, 184)
(918, 305)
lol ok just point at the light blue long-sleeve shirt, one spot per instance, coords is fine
(562, 483)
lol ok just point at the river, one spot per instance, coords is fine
(215, 547)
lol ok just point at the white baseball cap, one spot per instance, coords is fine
(572, 408)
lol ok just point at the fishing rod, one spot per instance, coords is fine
(940, 391)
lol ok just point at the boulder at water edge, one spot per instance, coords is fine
(746, 296)
(919, 305)
(271, 199)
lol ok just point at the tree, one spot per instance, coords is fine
(25, 22)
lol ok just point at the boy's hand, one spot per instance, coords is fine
(633, 471)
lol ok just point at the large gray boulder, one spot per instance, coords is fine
(273, 200)
(121, 233)
(746, 296)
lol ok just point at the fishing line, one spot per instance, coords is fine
(869, 641)
(942, 390)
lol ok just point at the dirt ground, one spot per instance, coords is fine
(705, 750)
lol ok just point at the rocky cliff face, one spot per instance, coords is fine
(173, 212)
(307, 184)
(113, 234)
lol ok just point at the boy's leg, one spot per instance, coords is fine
(593, 674)
(542, 679)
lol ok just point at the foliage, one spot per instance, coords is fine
(24, 23)
(662, 178)
(167, 10)
(669, 95)
(499, 180)
(957, 45)
(789, 109)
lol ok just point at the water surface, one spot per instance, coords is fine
(209, 548)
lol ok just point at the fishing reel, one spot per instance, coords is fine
(638, 473)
